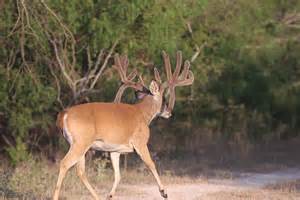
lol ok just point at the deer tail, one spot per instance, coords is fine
(60, 119)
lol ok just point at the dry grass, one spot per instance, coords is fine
(36, 180)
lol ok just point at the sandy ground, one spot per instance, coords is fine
(244, 186)
(213, 189)
(175, 192)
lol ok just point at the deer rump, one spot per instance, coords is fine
(108, 130)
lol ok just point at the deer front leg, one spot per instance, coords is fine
(115, 159)
(143, 152)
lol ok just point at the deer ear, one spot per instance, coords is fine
(154, 88)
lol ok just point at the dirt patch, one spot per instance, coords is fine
(175, 192)
(250, 195)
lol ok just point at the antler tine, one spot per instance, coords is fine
(176, 79)
(120, 93)
(178, 64)
(157, 76)
(187, 81)
(131, 76)
(167, 65)
(121, 65)
(185, 70)
(184, 78)
(141, 81)
(171, 99)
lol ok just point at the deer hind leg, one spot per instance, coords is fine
(143, 151)
(80, 166)
(72, 157)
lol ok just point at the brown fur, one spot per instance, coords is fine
(122, 125)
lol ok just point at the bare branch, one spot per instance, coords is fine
(62, 66)
(65, 28)
(6, 140)
(58, 88)
(17, 22)
(104, 64)
(97, 64)
(198, 51)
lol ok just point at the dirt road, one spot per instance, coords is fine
(175, 192)
(245, 186)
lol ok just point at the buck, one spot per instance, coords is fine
(119, 128)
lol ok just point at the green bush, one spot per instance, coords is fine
(248, 66)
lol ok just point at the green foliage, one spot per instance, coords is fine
(254, 51)
(248, 68)
(19, 152)
(26, 106)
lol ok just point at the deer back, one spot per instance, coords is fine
(109, 122)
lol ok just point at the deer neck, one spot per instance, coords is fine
(149, 108)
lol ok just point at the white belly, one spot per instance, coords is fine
(121, 148)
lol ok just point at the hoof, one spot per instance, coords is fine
(164, 194)
(109, 197)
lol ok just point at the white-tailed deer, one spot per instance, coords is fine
(117, 127)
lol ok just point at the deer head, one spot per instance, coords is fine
(180, 77)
